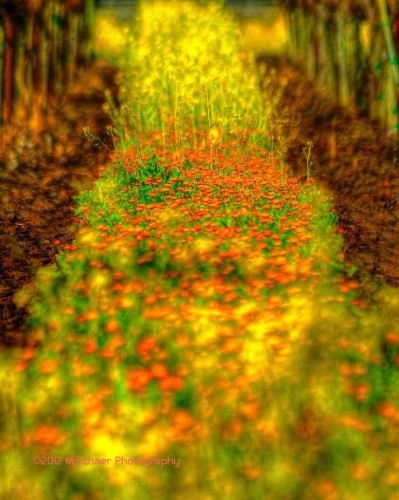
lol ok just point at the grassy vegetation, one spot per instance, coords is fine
(203, 312)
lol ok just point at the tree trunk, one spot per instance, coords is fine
(28, 87)
(392, 83)
(343, 79)
(8, 83)
(20, 97)
(88, 28)
(2, 55)
(310, 45)
(324, 57)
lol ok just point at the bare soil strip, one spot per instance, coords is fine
(353, 158)
(38, 181)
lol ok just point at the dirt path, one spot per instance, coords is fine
(38, 180)
(354, 159)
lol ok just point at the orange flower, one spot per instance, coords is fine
(158, 312)
(48, 366)
(107, 352)
(125, 303)
(360, 471)
(345, 369)
(251, 471)
(354, 422)
(21, 365)
(231, 345)
(392, 339)
(182, 420)
(171, 382)
(28, 353)
(145, 346)
(327, 490)
(344, 288)
(48, 435)
(249, 410)
(150, 299)
(159, 371)
(361, 391)
(387, 410)
(111, 326)
(138, 379)
(90, 347)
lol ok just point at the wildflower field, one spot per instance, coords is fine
(201, 338)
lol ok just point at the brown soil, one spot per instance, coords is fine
(38, 181)
(353, 157)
